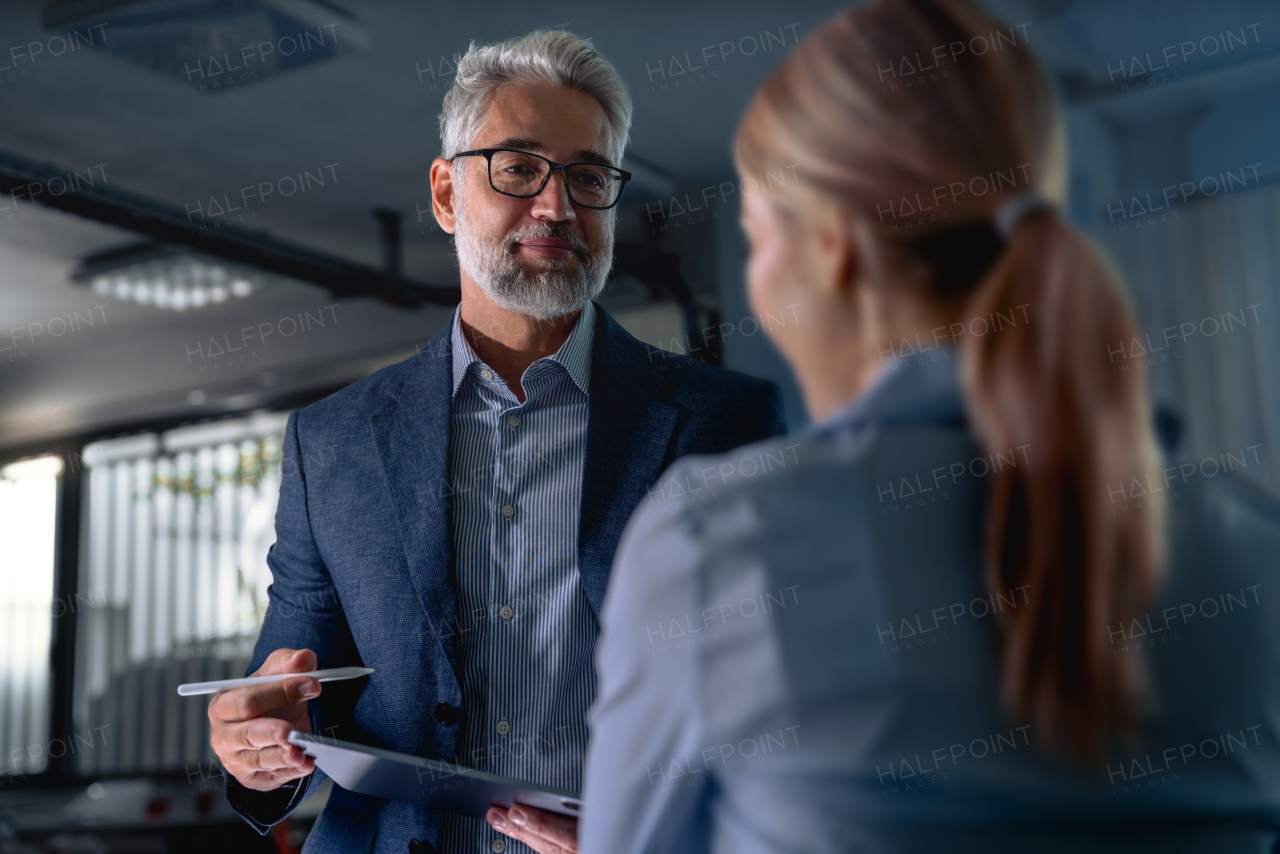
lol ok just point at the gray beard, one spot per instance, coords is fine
(554, 288)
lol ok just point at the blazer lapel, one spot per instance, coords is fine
(628, 434)
(412, 437)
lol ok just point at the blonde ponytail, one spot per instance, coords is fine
(1053, 527)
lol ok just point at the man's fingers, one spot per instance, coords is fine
(256, 734)
(259, 781)
(266, 765)
(557, 828)
(273, 662)
(231, 741)
(285, 660)
(250, 726)
(278, 758)
(266, 781)
(498, 818)
(243, 704)
(543, 831)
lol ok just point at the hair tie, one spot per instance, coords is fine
(1016, 209)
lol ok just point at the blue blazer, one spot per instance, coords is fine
(363, 564)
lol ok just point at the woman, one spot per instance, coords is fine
(959, 613)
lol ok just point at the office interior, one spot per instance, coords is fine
(214, 213)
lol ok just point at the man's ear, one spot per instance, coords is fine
(442, 194)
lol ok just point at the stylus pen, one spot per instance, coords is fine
(335, 674)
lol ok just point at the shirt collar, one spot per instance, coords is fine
(919, 387)
(574, 354)
(928, 389)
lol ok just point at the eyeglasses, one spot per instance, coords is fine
(524, 175)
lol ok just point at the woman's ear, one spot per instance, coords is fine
(839, 262)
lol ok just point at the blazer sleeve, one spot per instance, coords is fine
(643, 788)
(303, 612)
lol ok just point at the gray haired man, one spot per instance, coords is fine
(461, 546)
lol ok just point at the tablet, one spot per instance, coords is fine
(428, 782)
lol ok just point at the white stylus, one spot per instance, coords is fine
(335, 674)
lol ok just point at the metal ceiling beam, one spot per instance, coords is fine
(88, 196)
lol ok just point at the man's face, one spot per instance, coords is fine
(544, 256)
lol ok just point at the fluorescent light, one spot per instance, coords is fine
(167, 278)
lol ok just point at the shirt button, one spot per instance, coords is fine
(486, 374)
(503, 727)
(514, 421)
(506, 612)
(508, 510)
(499, 845)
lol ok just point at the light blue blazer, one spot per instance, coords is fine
(798, 654)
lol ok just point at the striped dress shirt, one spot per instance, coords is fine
(526, 631)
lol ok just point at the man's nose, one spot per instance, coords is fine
(554, 202)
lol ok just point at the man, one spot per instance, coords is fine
(458, 536)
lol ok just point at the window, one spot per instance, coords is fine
(28, 514)
(172, 586)
(1203, 285)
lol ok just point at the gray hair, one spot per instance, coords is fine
(552, 56)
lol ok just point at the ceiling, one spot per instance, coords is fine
(369, 118)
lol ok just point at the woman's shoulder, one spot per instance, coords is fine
(701, 484)
(770, 481)
(707, 505)
(711, 521)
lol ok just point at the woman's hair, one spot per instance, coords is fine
(550, 56)
(919, 119)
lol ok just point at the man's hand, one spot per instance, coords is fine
(251, 725)
(544, 832)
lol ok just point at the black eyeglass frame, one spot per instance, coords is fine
(563, 168)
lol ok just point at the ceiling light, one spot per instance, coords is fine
(211, 46)
(172, 279)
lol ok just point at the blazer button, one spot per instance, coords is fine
(447, 714)
(417, 846)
